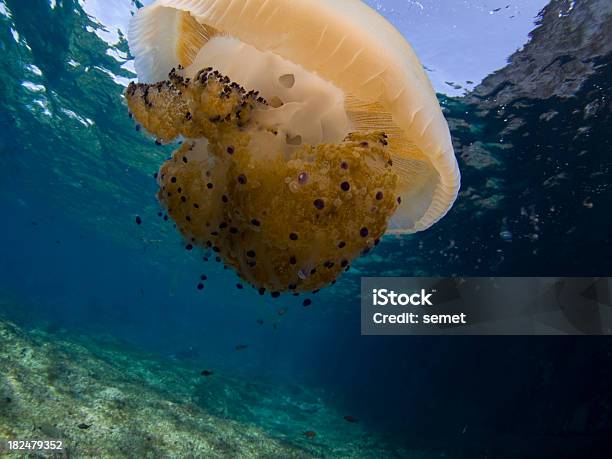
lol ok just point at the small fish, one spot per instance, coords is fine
(207, 373)
(188, 353)
(260, 321)
(282, 311)
(84, 426)
(350, 418)
(241, 347)
(310, 434)
(506, 235)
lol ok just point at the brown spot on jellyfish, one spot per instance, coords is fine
(309, 133)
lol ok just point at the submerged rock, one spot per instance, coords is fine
(104, 400)
(105, 404)
(561, 55)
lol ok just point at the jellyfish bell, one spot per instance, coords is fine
(333, 129)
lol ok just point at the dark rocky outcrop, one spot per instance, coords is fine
(562, 53)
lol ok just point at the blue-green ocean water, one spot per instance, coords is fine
(535, 200)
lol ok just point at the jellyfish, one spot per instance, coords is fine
(309, 130)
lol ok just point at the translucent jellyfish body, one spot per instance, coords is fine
(310, 130)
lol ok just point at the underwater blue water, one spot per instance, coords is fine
(535, 200)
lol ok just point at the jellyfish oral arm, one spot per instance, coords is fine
(292, 221)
